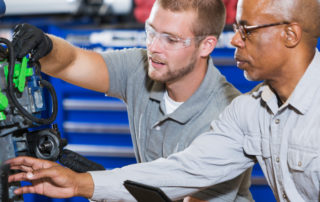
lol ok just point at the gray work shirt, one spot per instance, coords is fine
(284, 140)
(156, 134)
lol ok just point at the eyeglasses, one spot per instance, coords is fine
(244, 30)
(167, 41)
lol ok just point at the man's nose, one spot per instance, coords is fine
(237, 40)
(155, 44)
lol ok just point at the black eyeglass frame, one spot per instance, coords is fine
(244, 29)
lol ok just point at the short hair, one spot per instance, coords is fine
(304, 12)
(307, 13)
(211, 14)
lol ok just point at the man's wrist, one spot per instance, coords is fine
(84, 185)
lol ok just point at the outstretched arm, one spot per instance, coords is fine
(212, 158)
(60, 59)
(50, 179)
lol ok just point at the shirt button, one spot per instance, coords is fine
(299, 164)
(278, 159)
(284, 195)
(277, 121)
(157, 127)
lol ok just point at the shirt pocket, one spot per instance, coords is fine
(256, 145)
(304, 170)
(303, 149)
(299, 160)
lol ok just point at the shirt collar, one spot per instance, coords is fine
(157, 91)
(197, 101)
(302, 96)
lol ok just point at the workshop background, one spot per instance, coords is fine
(96, 126)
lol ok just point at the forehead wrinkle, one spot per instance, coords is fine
(283, 9)
(300, 11)
(304, 12)
(279, 10)
(247, 10)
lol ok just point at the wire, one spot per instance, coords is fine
(11, 91)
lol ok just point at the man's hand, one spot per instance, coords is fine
(50, 179)
(192, 199)
(30, 39)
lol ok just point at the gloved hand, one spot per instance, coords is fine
(30, 39)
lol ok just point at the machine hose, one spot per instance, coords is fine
(11, 91)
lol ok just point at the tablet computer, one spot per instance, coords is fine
(145, 193)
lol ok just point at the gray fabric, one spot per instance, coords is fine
(156, 134)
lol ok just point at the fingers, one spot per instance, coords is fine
(42, 49)
(23, 176)
(32, 168)
(18, 41)
(22, 168)
(37, 52)
(47, 178)
(30, 39)
(26, 163)
(24, 42)
(19, 161)
(25, 190)
(45, 173)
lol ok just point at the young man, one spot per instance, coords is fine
(172, 89)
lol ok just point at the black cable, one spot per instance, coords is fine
(11, 92)
(53, 94)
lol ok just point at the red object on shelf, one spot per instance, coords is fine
(143, 7)
(231, 8)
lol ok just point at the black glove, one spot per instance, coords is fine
(77, 162)
(30, 39)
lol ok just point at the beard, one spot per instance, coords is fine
(172, 75)
(247, 76)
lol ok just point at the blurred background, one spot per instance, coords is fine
(94, 125)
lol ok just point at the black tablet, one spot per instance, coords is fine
(145, 193)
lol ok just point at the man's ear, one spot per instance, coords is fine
(293, 34)
(207, 45)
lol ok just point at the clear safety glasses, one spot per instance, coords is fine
(167, 41)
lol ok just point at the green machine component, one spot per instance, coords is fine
(3, 105)
(21, 72)
(26, 116)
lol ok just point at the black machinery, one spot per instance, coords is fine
(26, 118)
(22, 106)
(23, 130)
